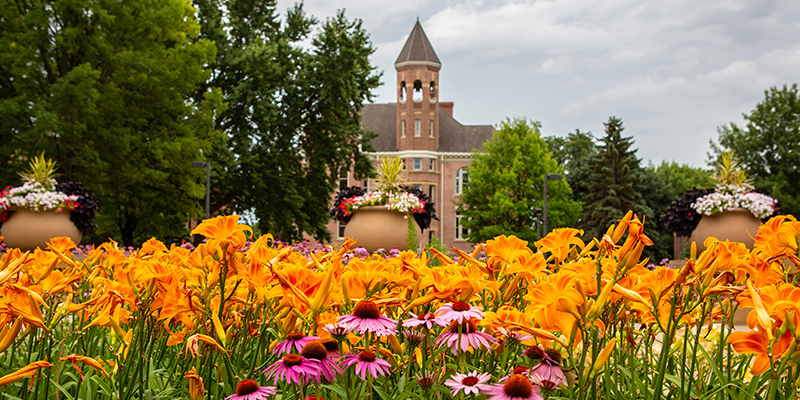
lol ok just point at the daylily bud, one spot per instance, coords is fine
(603, 357)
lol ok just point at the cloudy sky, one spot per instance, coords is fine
(673, 71)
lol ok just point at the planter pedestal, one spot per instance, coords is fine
(375, 227)
(739, 225)
(27, 229)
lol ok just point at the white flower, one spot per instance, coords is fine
(730, 197)
(36, 196)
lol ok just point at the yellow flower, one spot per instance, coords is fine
(223, 230)
(558, 242)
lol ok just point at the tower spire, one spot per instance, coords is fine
(417, 50)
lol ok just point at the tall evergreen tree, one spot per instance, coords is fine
(613, 189)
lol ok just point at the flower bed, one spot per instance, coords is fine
(566, 319)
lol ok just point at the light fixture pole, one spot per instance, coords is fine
(547, 177)
(207, 166)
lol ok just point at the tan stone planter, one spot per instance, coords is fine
(27, 230)
(739, 225)
(375, 227)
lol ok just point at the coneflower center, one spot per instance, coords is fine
(367, 356)
(518, 386)
(425, 316)
(246, 386)
(466, 327)
(366, 310)
(314, 349)
(294, 336)
(292, 360)
(460, 306)
(520, 370)
(329, 344)
(554, 355)
(470, 381)
(534, 353)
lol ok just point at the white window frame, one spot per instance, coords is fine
(417, 164)
(462, 179)
(432, 164)
(461, 231)
(430, 129)
(403, 129)
(340, 229)
(416, 128)
(344, 178)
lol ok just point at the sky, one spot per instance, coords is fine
(673, 71)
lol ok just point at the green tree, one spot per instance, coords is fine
(615, 182)
(104, 88)
(681, 177)
(573, 153)
(506, 185)
(293, 119)
(769, 145)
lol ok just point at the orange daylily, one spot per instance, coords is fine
(74, 358)
(757, 342)
(26, 371)
(558, 242)
(196, 389)
(223, 230)
(506, 248)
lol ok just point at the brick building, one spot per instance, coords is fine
(421, 130)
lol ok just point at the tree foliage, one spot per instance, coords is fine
(572, 153)
(292, 121)
(506, 185)
(103, 88)
(769, 145)
(681, 177)
(613, 181)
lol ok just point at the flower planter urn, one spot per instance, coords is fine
(375, 227)
(27, 230)
(738, 225)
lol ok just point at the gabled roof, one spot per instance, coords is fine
(417, 50)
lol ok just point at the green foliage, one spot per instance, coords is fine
(682, 177)
(614, 179)
(769, 145)
(573, 153)
(104, 88)
(412, 238)
(506, 185)
(391, 175)
(292, 120)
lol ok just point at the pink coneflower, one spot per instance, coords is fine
(459, 311)
(248, 389)
(471, 383)
(513, 338)
(294, 369)
(469, 337)
(429, 320)
(316, 350)
(295, 339)
(517, 387)
(367, 362)
(338, 332)
(413, 338)
(425, 380)
(549, 369)
(366, 317)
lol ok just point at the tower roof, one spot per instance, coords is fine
(417, 50)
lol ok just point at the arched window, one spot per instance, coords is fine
(417, 90)
(402, 94)
(462, 179)
(432, 91)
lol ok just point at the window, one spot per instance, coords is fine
(340, 229)
(432, 164)
(416, 128)
(418, 187)
(402, 94)
(417, 95)
(430, 236)
(462, 179)
(343, 183)
(431, 191)
(461, 231)
(432, 91)
(417, 164)
(430, 129)
(403, 129)
(366, 184)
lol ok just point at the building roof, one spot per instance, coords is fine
(453, 137)
(417, 50)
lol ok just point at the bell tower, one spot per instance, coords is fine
(417, 94)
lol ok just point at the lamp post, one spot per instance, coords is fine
(207, 166)
(547, 177)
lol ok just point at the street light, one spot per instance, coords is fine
(207, 166)
(547, 177)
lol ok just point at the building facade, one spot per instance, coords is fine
(437, 149)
